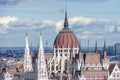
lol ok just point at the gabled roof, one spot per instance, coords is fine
(112, 68)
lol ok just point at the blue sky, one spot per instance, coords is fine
(89, 19)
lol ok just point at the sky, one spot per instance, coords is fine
(88, 19)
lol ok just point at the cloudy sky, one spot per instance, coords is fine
(88, 19)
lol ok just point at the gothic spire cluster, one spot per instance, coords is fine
(41, 73)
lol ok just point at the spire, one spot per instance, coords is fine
(96, 49)
(27, 45)
(27, 58)
(104, 45)
(42, 68)
(40, 43)
(66, 20)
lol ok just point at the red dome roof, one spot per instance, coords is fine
(66, 38)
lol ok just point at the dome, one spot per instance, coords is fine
(66, 38)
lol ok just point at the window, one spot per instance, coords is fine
(115, 69)
(56, 67)
(118, 75)
(113, 74)
(60, 54)
(65, 54)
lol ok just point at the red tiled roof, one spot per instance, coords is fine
(96, 74)
(13, 72)
(59, 74)
(92, 58)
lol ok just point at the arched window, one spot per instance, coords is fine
(118, 74)
(113, 74)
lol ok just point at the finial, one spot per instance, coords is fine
(96, 49)
(104, 45)
(26, 34)
(66, 21)
(40, 33)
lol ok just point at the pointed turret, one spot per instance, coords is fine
(96, 48)
(42, 68)
(66, 20)
(26, 45)
(27, 57)
(104, 53)
(104, 45)
(105, 59)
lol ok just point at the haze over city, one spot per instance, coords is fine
(89, 19)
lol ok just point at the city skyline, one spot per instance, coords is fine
(88, 19)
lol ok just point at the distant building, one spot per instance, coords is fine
(111, 50)
(117, 49)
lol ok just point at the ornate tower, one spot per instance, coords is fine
(105, 59)
(27, 58)
(65, 44)
(42, 69)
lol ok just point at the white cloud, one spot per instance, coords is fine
(4, 23)
(86, 32)
(7, 20)
(86, 27)
(59, 25)
(110, 28)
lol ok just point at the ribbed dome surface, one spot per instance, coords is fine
(66, 38)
